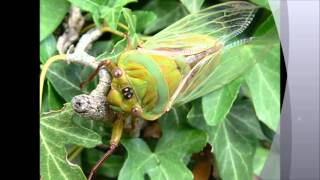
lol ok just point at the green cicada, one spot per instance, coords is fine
(172, 67)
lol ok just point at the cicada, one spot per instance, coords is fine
(172, 67)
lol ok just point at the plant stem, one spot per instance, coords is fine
(45, 69)
(123, 26)
(107, 29)
(85, 29)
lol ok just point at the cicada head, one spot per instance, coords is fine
(122, 96)
(134, 90)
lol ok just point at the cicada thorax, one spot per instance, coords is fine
(146, 83)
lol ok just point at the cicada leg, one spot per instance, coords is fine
(115, 139)
(95, 72)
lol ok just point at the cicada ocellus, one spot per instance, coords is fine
(172, 67)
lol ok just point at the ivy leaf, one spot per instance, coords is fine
(118, 48)
(144, 19)
(117, 3)
(100, 47)
(233, 140)
(263, 3)
(192, 5)
(65, 80)
(111, 15)
(260, 159)
(217, 104)
(131, 20)
(54, 101)
(87, 5)
(264, 87)
(167, 11)
(166, 161)
(47, 48)
(267, 27)
(57, 130)
(109, 10)
(51, 100)
(52, 13)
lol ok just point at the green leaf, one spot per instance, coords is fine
(263, 3)
(166, 162)
(111, 15)
(100, 47)
(131, 20)
(264, 86)
(52, 13)
(217, 104)
(92, 6)
(192, 5)
(66, 79)
(144, 19)
(118, 48)
(87, 5)
(57, 130)
(47, 48)
(167, 11)
(260, 159)
(55, 102)
(109, 169)
(233, 140)
(245, 120)
(117, 3)
(268, 26)
(51, 100)
(109, 10)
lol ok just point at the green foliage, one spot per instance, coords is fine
(217, 104)
(56, 130)
(107, 10)
(52, 13)
(192, 5)
(167, 158)
(233, 118)
(233, 140)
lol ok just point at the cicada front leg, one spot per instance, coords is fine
(105, 63)
(114, 142)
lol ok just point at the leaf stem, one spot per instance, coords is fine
(45, 69)
(85, 29)
(123, 26)
(107, 29)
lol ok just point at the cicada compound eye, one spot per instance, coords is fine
(117, 73)
(127, 92)
(136, 112)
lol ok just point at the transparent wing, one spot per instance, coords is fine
(223, 67)
(221, 22)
